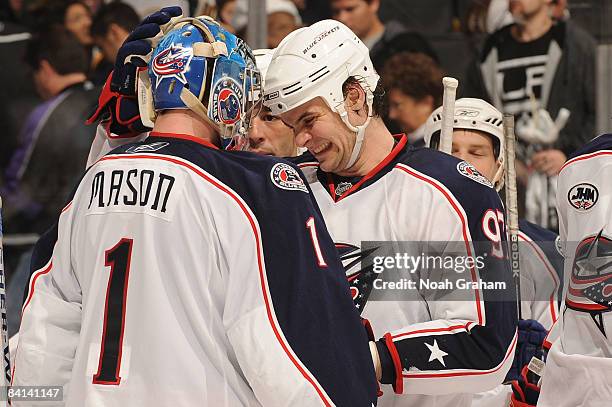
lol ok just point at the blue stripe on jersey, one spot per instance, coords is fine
(312, 304)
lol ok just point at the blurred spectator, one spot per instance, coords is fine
(312, 11)
(18, 94)
(54, 142)
(77, 19)
(538, 70)
(111, 26)
(11, 10)
(225, 13)
(361, 16)
(283, 18)
(413, 83)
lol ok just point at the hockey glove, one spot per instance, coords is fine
(118, 104)
(525, 390)
(531, 335)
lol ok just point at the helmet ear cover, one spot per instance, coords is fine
(197, 61)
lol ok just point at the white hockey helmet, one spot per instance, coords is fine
(316, 61)
(263, 56)
(472, 114)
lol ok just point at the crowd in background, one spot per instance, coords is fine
(57, 55)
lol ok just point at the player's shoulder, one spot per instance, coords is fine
(448, 170)
(447, 173)
(536, 232)
(600, 143)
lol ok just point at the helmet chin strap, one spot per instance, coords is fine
(359, 130)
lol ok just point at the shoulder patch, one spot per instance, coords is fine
(286, 177)
(583, 197)
(146, 148)
(468, 170)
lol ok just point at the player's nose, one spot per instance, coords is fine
(256, 132)
(302, 138)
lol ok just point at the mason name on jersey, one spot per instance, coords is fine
(131, 188)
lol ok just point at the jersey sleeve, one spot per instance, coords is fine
(468, 343)
(51, 315)
(289, 315)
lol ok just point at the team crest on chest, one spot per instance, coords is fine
(172, 63)
(226, 101)
(583, 197)
(286, 177)
(468, 170)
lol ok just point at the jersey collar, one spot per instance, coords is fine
(184, 137)
(332, 181)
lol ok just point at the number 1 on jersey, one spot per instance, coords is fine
(118, 259)
(310, 225)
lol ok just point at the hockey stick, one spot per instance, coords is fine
(448, 113)
(6, 357)
(512, 206)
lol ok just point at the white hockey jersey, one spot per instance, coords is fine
(180, 275)
(435, 353)
(579, 365)
(541, 266)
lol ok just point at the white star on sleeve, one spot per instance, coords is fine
(436, 353)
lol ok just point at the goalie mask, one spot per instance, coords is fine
(200, 66)
(472, 114)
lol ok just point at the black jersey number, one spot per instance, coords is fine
(118, 259)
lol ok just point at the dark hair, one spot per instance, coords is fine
(414, 74)
(379, 104)
(46, 14)
(60, 48)
(116, 12)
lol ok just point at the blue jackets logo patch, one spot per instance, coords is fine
(583, 196)
(172, 63)
(468, 170)
(286, 177)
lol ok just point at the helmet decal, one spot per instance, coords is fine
(172, 63)
(227, 97)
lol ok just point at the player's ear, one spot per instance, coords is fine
(355, 97)
(46, 68)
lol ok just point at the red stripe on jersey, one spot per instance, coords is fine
(440, 187)
(465, 328)
(394, 152)
(551, 272)
(585, 157)
(67, 207)
(184, 137)
(397, 364)
(304, 165)
(46, 269)
(471, 373)
(37, 274)
(262, 277)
